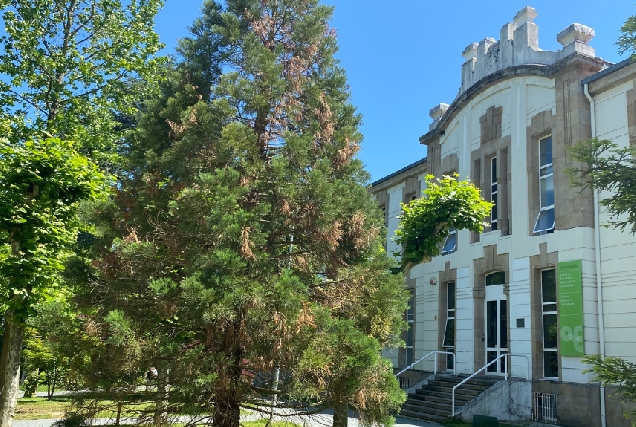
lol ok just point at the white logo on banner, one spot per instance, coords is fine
(575, 336)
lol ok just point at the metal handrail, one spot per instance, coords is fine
(485, 367)
(435, 352)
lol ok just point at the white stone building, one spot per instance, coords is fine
(516, 288)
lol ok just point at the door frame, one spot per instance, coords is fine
(496, 293)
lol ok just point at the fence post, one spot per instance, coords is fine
(506, 367)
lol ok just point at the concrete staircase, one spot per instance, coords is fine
(432, 402)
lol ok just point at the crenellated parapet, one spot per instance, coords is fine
(519, 45)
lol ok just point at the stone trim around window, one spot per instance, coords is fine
(541, 126)
(545, 260)
(493, 145)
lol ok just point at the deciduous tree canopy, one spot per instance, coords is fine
(425, 224)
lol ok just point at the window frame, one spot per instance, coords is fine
(546, 174)
(452, 234)
(450, 315)
(548, 308)
(409, 347)
(494, 212)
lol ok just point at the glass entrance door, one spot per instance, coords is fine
(496, 327)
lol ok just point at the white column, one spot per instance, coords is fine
(520, 334)
(464, 324)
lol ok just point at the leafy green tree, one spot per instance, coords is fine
(242, 240)
(627, 40)
(52, 347)
(41, 185)
(609, 168)
(447, 204)
(615, 371)
(69, 64)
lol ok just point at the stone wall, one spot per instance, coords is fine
(507, 401)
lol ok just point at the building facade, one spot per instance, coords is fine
(545, 283)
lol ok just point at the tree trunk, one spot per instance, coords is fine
(118, 419)
(10, 369)
(340, 414)
(228, 410)
(51, 388)
(228, 393)
(161, 405)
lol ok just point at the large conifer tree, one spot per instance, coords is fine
(242, 252)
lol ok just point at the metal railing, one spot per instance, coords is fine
(504, 355)
(436, 352)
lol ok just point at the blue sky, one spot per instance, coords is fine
(404, 56)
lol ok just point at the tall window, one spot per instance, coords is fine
(450, 245)
(449, 330)
(493, 193)
(545, 219)
(410, 333)
(550, 331)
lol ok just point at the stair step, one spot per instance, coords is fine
(439, 398)
(466, 386)
(448, 392)
(442, 406)
(469, 383)
(417, 415)
(433, 401)
(426, 411)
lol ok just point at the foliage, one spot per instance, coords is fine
(41, 186)
(426, 221)
(31, 382)
(53, 345)
(615, 371)
(609, 168)
(627, 40)
(69, 64)
(338, 360)
(242, 235)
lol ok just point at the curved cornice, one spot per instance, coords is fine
(498, 76)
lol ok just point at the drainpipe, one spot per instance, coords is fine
(597, 252)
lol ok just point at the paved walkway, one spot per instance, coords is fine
(319, 420)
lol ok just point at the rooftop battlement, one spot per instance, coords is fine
(518, 45)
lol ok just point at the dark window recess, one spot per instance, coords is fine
(491, 308)
(498, 278)
(503, 324)
(449, 334)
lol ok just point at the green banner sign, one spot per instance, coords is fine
(570, 282)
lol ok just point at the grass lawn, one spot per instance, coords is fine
(35, 408)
